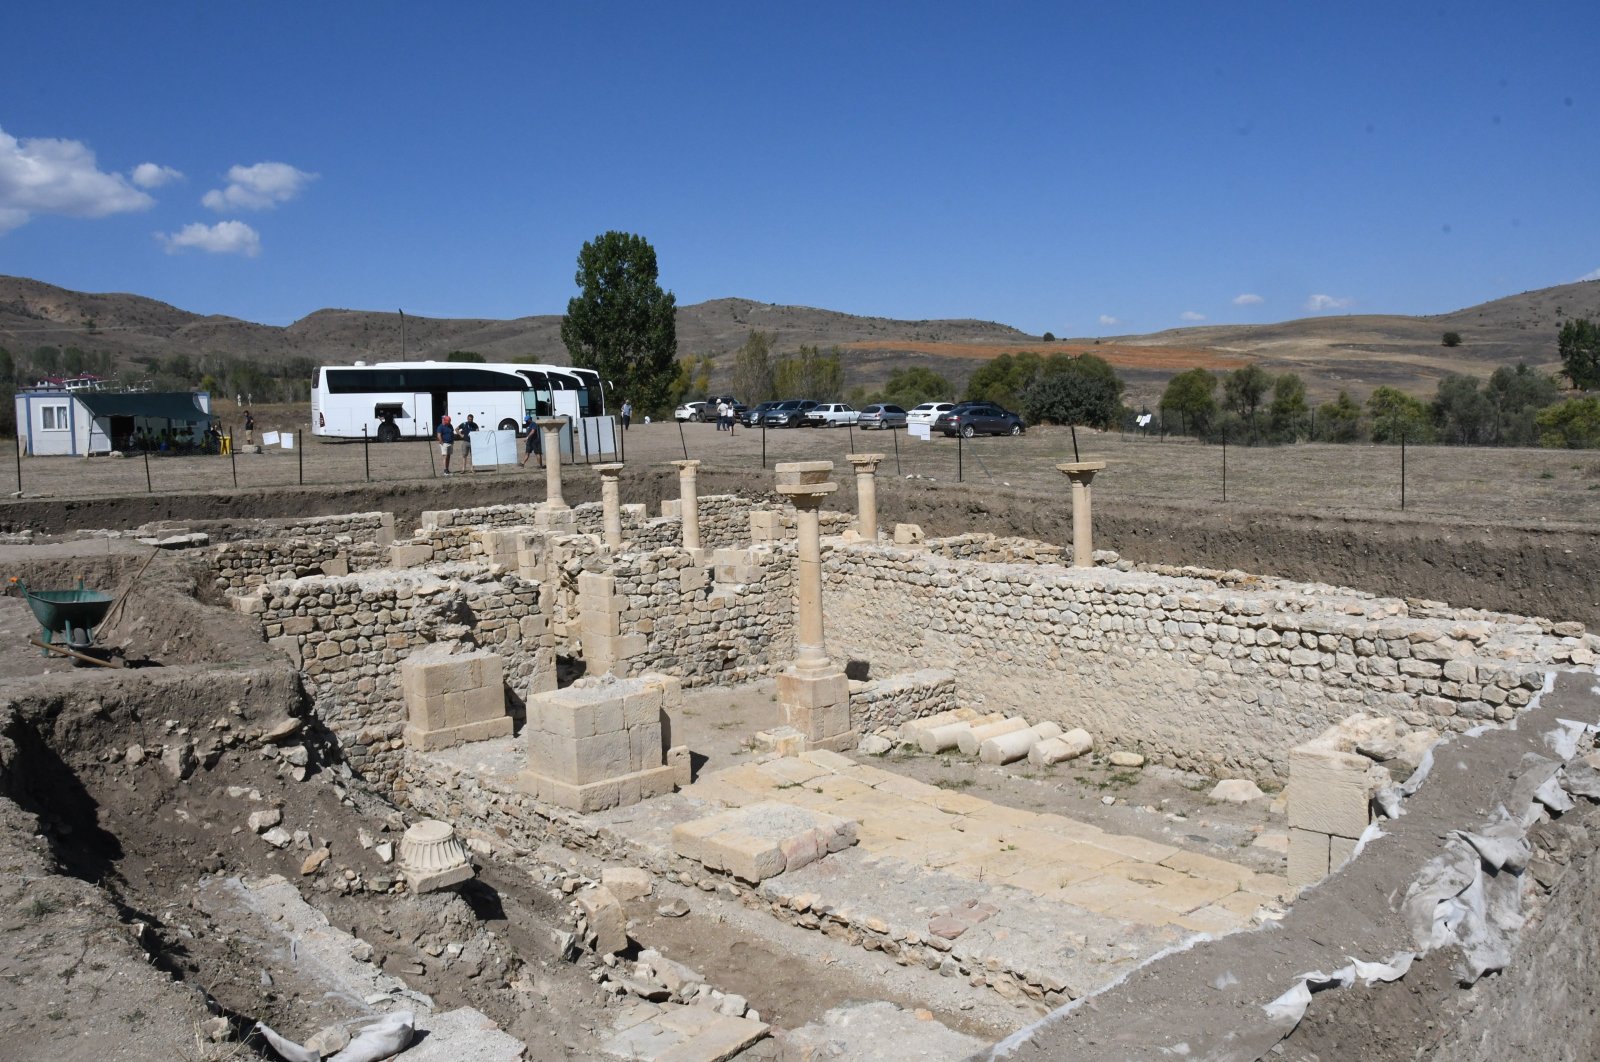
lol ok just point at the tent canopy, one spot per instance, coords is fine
(152, 405)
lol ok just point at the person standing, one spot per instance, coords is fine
(466, 442)
(249, 428)
(447, 440)
(531, 444)
(627, 414)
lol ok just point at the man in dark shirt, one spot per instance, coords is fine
(465, 434)
(447, 440)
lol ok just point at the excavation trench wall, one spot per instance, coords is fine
(1539, 570)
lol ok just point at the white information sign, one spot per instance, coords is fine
(287, 439)
(269, 438)
(919, 431)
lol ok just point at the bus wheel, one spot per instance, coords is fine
(508, 425)
(388, 431)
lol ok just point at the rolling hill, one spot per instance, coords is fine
(1356, 352)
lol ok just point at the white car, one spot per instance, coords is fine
(928, 412)
(691, 411)
(831, 415)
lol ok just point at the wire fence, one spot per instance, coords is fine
(1468, 482)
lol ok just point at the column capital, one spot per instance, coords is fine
(1084, 470)
(686, 466)
(551, 423)
(865, 462)
(611, 471)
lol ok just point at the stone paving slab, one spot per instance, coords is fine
(963, 836)
(671, 1032)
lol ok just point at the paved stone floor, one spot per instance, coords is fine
(1053, 857)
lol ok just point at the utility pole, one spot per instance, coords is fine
(402, 335)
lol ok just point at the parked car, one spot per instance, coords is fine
(881, 415)
(978, 418)
(928, 412)
(831, 415)
(695, 411)
(789, 413)
(751, 418)
(712, 403)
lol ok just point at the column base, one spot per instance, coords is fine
(555, 517)
(621, 791)
(444, 737)
(816, 704)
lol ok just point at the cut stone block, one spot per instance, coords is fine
(608, 931)
(818, 706)
(761, 841)
(1308, 857)
(1330, 791)
(597, 747)
(451, 699)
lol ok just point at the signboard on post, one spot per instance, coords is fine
(919, 431)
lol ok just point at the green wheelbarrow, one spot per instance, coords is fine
(71, 615)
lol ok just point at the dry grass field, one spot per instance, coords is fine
(1447, 484)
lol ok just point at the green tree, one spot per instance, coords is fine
(1082, 390)
(915, 384)
(1244, 389)
(1451, 339)
(1049, 337)
(1287, 415)
(691, 380)
(465, 355)
(1579, 345)
(810, 373)
(1340, 420)
(753, 374)
(1517, 396)
(1004, 380)
(1396, 414)
(1571, 425)
(1462, 414)
(1191, 398)
(622, 323)
(46, 361)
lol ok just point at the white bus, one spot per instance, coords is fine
(394, 400)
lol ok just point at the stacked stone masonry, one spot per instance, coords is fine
(348, 636)
(885, 705)
(1216, 678)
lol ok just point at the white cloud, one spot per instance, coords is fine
(151, 175)
(1319, 303)
(225, 237)
(1248, 299)
(1190, 315)
(1106, 320)
(1593, 274)
(48, 176)
(258, 187)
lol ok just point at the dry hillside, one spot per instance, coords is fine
(1353, 352)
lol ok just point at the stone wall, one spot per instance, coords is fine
(1221, 675)
(883, 705)
(348, 635)
(238, 567)
(981, 546)
(725, 622)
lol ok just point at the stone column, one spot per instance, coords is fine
(611, 502)
(815, 693)
(1081, 473)
(689, 502)
(866, 493)
(551, 426)
(806, 483)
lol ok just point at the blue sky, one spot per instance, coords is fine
(1088, 169)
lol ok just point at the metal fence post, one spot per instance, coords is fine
(300, 454)
(684, 441)
(366, 453)
(1402, 471)
(763, 441)
(149, 486)
(960, 472)
(896, 451)
(233, 460)
(1224, 464)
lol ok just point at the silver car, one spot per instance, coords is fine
(881, 415)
